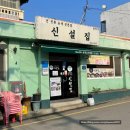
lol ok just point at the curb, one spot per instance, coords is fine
(49, 111)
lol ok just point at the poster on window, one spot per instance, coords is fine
(99, 72)
(99, 60)
(55, 85)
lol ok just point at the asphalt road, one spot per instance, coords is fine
(115, 110)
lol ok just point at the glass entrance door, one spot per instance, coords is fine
(63, 79)
(69, 79)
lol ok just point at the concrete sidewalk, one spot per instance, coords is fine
(68, 105)
(65, 106)
(58, 106)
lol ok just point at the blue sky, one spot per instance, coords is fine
(68, 10)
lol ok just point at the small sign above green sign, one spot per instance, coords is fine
(87, 52)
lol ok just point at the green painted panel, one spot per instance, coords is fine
(105, 84)
(126, 71)
(114, 43)
(16, 30)
(45, 85)
(3, 86)
(103, 97)
(82, 83)
(106, 96)
(13, 61)
(45, 104)
(29, 70)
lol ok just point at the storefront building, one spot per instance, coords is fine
(62, 60)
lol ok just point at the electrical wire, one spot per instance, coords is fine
(84, 13)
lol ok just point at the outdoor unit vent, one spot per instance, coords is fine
(11, 13)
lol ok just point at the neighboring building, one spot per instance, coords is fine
(11, 9)
(116, 21)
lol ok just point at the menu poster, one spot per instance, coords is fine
(99, 60)
(100, 72)
(55, 86)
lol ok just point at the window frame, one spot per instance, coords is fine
(10, 3)
(103, 26)
(114, 76)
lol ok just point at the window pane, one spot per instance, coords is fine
(117, 66)
(100, 71)
(103, 26)
(9, 3)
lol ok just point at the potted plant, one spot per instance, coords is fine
(96, 90)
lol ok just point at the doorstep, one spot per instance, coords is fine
(57, 106)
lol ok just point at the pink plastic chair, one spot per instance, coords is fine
(12, 105)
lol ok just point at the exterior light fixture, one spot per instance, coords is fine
(15, 50)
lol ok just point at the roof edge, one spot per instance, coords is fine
(117, 37)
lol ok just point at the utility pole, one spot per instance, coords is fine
(84, 13)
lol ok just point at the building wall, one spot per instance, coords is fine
(14, 33)
(113, 47)
(117, 20)
(82, 77)
(29, 68)
(25, 65)
(11, 4)
(105, 84)
(44, 80)
(15, 29)
(118, 44)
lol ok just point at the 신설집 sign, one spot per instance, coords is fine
(57, 30)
